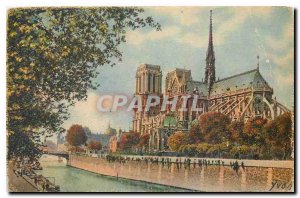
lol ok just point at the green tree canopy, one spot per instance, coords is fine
(53, 55)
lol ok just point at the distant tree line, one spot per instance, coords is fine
(77, 139)
(214, 135)
(133, 141)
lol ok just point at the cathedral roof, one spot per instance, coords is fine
(197, 85)
(149, 66)
(248, 79)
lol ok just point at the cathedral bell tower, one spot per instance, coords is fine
(210, 74)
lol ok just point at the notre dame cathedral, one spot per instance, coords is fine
(241, 96)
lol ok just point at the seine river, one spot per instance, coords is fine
(74, 180)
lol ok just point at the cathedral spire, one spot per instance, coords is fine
(210, 76)
(257, 62)
(210, 49)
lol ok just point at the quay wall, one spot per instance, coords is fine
(212, 178)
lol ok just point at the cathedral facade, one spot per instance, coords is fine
(241, 97)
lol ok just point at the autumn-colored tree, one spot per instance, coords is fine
(53, 55)
(277, 135)
(76, 135)
(178, 139)
(129, 140)
(214, 126)
(284, 131)
(195, 135)
(253, 131)
(236, 131)
(94, 145)
(144, 140)
(270, 134)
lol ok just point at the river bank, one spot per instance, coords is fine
(23, 178)
(76, 180)
(212, 178)
(17, 183)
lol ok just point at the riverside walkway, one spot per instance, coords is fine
(17, 183)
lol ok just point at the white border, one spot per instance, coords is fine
(6, 4)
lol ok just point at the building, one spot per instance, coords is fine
(241, 97)
(102, 138)
(114, 140)
(109, 130)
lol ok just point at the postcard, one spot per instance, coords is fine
(150, 99)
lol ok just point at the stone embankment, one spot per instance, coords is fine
(209, 175)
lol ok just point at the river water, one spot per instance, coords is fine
(75, 180)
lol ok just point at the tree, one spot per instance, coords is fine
(144, 140)
(76, 135)
(22, 146)
(195, 134)
(270, 133)
(203, 148)
(129, 140)
(94, 145)
(277, 134)
(178, 139)
(284, 131)
(87, 131)
(214, 126)
(53, 55)
(236, 131)
(253, 131)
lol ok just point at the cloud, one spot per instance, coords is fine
(285, 40)
(197, 20)
(286, 61)
(194, 40)
(85, 113)
(138, 37)
(184, 15)
(238, 17)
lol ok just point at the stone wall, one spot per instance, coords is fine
(202, 178)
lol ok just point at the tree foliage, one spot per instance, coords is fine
(144, 140)
(253, 131)
(195, 134)
(214, 127)
(278, 135)
(177, 139)
(94, 145)
(76, 135)
(87, 131)
(236, 131)
(53, 55)
(129, 140)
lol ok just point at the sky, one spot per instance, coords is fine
(239, 34)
